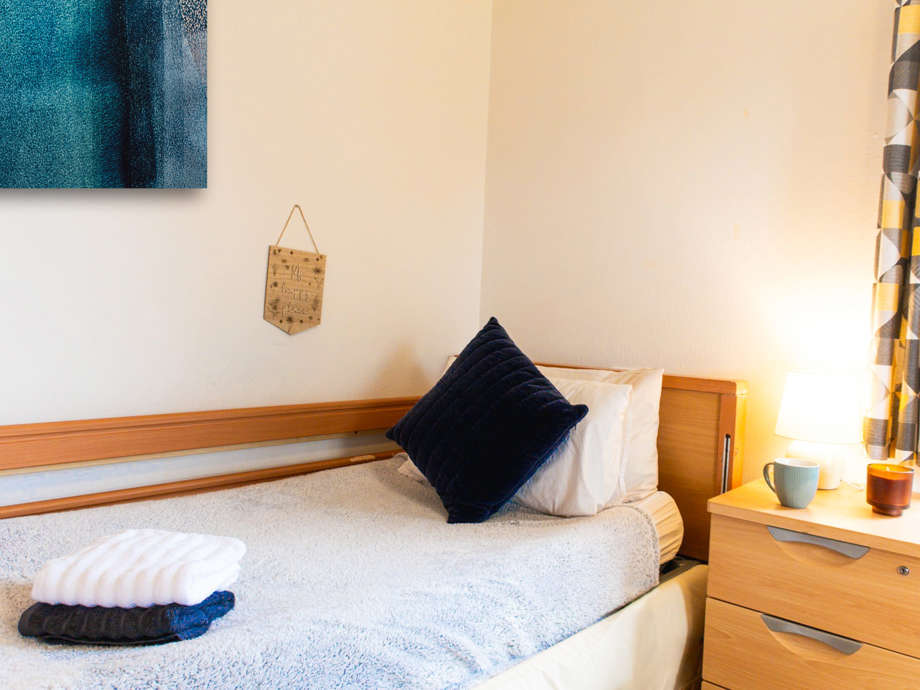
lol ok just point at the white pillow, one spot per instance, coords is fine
(584, 474)
(640, 467)
(408, 469)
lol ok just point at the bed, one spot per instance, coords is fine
(353, 579)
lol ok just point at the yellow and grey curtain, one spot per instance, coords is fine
(891, 428)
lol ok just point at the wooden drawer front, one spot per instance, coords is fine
(860, 595)
(740, 651)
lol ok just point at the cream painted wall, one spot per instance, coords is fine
(372, 114)
(687, 185)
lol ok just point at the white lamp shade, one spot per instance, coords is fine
(821, 408)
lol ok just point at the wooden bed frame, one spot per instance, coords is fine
(700, 443)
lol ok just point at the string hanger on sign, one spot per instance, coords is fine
(297, 208)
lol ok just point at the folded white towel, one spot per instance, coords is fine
(141, 567)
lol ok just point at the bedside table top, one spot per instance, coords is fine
(838, 514)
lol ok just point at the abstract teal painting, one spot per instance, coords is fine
(103, 93)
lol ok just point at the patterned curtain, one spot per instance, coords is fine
(891, 428)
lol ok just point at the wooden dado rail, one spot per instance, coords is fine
(25, 446)
(57, 443)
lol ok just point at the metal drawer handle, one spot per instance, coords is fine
(842, 644)
(849, 550)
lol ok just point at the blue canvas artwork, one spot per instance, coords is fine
(103, 93)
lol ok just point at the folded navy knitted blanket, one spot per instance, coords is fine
(62, 624)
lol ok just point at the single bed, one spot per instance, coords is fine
(353, 579)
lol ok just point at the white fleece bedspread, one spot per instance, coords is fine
(352, 579)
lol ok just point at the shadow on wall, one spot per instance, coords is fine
(401, 371)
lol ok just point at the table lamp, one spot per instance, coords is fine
(823, 415)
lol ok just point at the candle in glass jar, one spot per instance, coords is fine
(889, 487)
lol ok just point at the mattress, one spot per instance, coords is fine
(352, 579)
(669, 525)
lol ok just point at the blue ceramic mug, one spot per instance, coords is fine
(795, 481)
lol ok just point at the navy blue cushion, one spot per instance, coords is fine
(486, 426)
(62, 624)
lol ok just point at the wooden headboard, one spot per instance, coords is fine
(699, 444)
(700, 449)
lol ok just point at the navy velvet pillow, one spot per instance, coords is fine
(486, 426)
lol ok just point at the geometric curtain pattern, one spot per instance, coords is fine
(892, 424)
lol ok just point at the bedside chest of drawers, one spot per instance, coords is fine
(823, 597)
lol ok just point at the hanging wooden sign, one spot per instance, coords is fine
(294, 284)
